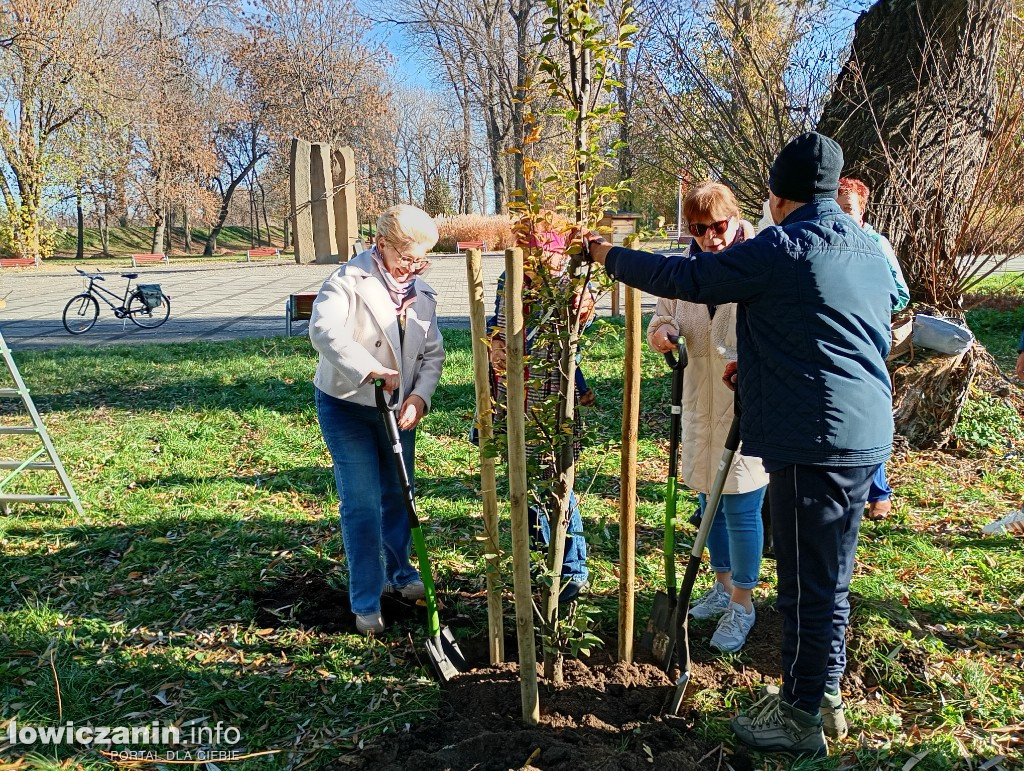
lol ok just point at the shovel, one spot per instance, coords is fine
(442, 650)
(659, 639)
(732, 443)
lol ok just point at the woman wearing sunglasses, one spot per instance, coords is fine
(376, 318)
(737, 535)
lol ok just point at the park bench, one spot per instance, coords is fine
(461, 246)
(299, 307)
(677, 237)
(262, 251)
(17, 262)
(137, 258)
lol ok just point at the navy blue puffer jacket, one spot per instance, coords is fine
(815, 298)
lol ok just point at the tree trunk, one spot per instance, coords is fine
(121, 197)
(80, 217)
(172, 217)
(521, 18)
(287, 232)
(496, 151)
(158, 232)
(914, 109)
(465, 157)
(254, 219)
(626, 165)
(263, 209)
(25, 219)
(187, 226)
(222, 214)
(104, 223)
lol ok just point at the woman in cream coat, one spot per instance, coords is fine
(376, 319)
(737, 535)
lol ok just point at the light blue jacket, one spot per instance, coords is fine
(894, 266)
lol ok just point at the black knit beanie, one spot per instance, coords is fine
(807, 169)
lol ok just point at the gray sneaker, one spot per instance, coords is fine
(369, 623)
(833, 713)
(414, 590)
(733, 628)
(772, 725)
(712, 604)
(1011, 524)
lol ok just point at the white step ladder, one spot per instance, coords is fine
(34, 461)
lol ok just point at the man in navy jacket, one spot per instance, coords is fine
(815, 298)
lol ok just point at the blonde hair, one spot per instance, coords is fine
(710, 199)
(405, 226)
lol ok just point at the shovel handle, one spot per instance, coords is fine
(426, 574)
(677, 360)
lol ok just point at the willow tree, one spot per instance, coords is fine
(921, 117)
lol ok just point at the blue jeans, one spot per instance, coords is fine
(816, 514)
(374, 524)
(574, 563)
(737, 536)
(880, 490)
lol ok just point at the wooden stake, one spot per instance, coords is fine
(488, 482)
(615, 299)
(515, 386)
(627, 489)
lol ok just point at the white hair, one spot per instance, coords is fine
(405, 226)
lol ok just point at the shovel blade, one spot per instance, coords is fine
(678, 694)
(659, 638)
(445, 656)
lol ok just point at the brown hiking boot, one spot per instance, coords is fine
(878, 509)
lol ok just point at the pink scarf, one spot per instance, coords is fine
(402, 293)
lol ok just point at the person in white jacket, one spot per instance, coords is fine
(736, 538)
(375, 318)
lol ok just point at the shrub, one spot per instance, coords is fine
(495, 231)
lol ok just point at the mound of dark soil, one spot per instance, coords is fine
(607, 715)
(311, 602)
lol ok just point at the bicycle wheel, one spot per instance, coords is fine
(81, 313)
(144, 316)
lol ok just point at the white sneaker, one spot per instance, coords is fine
(369, 623)
(733, 628)
(712, 605)
(414, 590)
(1011, 524)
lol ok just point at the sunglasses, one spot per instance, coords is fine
(699, 229)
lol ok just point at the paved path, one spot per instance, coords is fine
(219, 301)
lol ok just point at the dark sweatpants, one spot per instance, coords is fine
(816, 513)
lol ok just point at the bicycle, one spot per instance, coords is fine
(147, 306)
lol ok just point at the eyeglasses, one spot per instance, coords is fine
(698, 229)
(409, 262)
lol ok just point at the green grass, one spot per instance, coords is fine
(205, 479)
(138, 239)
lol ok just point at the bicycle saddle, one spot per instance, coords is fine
(129, 275)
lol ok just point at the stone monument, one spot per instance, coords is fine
(322, 186)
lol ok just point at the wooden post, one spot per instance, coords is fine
(615, 299)
(488, 482)
(627, 488)
(516, 419)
